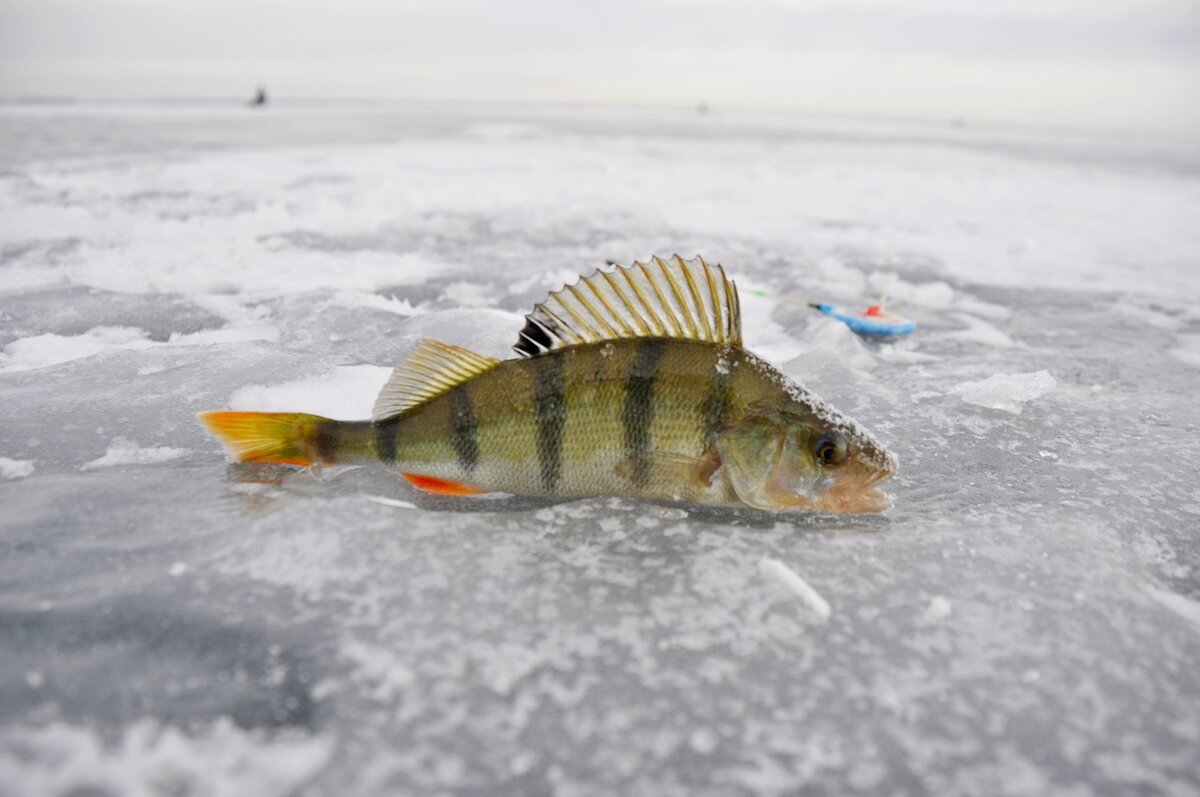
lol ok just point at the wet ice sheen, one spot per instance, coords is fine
(1024, 620)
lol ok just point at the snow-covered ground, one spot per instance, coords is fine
(1025, 620)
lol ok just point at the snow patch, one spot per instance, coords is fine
(16, 468)
(127, 452)
(344, 392)
(1007, 392)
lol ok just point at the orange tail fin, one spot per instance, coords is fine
(288, 437)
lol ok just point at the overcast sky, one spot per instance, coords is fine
(1105, 63)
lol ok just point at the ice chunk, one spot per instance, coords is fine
(127, 452)
(792, 581)
(15, 468)
(1008, 392)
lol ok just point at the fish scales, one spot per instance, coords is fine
(579, 421)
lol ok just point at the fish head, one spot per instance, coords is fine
(782, 461)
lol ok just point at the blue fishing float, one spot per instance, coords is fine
(874, 322)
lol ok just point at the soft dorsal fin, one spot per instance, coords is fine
(430, 370)
(675, 298)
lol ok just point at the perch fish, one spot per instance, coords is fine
(630, 382)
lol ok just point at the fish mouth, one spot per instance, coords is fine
(858, 497)
(866, 502)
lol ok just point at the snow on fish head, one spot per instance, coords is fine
(805, 457)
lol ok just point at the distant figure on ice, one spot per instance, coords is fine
(260, 98)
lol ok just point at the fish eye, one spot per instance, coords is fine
(831, 448)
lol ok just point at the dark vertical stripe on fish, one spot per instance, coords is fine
(718, 401)
(326, 439)
(547, 375)
(463, 428)
(638, 412)
(385, 440)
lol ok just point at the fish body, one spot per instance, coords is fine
(686, 414)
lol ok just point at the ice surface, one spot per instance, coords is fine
(1022, 621)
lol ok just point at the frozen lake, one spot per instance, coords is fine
(1024, 620)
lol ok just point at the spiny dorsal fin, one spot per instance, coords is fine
(430, 370)
(675, 298)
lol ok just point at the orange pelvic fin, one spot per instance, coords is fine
(266, 436)
(436, 486)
